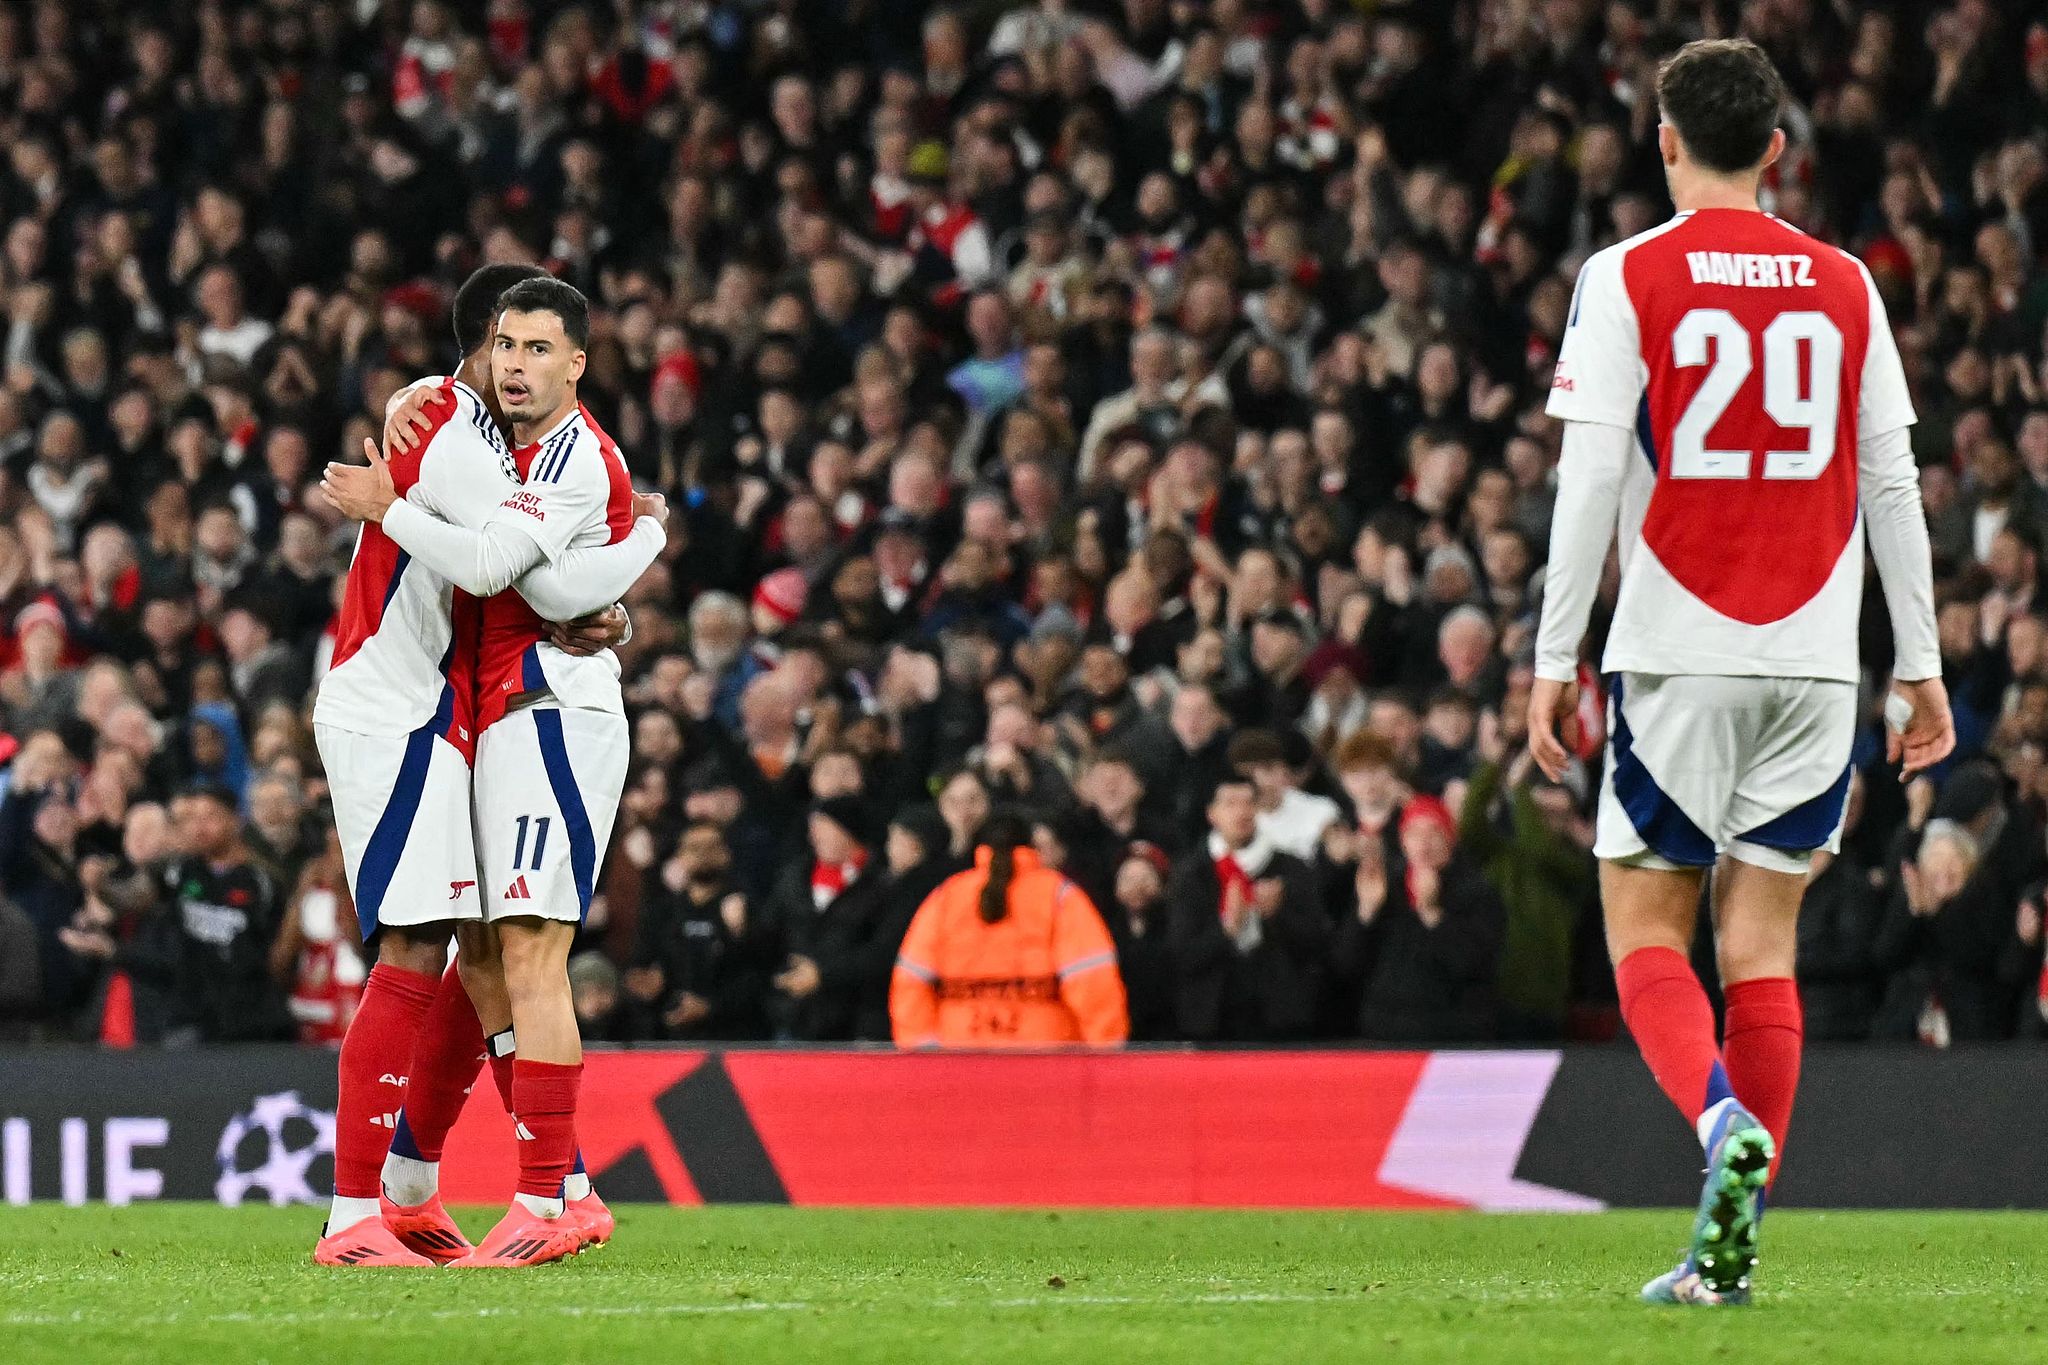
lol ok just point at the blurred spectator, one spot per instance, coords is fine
(1248, 938)
(820, 929)
(198, 950)
(696, 971)
(318, 950)
(1139, 926)
(1423, 940)
(1527, 835)
(1840, 983)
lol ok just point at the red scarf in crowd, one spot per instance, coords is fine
(830, 880)
(1237, 867)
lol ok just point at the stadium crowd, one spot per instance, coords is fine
(1127, 413)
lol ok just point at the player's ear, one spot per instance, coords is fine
(1777, 147)
(577, 365)
(1667, 143)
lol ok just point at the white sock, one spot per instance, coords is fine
(535, 1204)
(345, 1213)
(576, 1185)
(409, 1182)
(1704, 1126)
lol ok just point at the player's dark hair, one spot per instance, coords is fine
(1004, 833)
(546, 294)
(1723, 96)
(476, 303)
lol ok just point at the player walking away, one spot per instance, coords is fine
(552, 739)
(395, 723)
(1732, 396)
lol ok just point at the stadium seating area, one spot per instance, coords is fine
(1064, 405)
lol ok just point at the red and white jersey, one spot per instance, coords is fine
(1748, 359)
(405, 647)
(574, 491)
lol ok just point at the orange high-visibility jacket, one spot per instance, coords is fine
(1044, 973)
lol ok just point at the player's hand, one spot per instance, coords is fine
(1553, 723)
(361, 492)
(406, 423)
(588, 635)
(1929, 736)
(650, 505)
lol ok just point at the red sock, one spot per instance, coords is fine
(1667, 1011)
(445, 1062)
(501, 1076)
(544, 1100)
(1765, 1028)
(376, 1056)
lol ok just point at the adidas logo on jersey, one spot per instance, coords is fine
(1750, 270)
(517, 891)
(384, 1120)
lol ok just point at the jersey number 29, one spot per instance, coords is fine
(1794, 399)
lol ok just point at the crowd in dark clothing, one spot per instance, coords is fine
(1127, 412)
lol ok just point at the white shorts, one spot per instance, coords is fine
(1698, 766)
(548, 781)
(401, 809)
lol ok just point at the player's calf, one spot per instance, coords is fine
(375, 1065)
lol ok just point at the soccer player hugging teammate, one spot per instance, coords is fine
(1732, 397)
(398, 721)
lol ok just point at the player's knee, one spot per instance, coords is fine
(478, 950)
(411, 950)
(533, 961)
(1648, 908)
(1751, 952)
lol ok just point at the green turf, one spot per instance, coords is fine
(175, 1283)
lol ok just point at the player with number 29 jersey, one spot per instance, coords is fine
(1736, 414)
(1735, 410)
(1749, 360)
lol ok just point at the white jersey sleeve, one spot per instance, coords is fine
(483, 562)
(1600, 372)
(1589, 482)
(1888, 491)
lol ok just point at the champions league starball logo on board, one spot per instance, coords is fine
(288, 1136)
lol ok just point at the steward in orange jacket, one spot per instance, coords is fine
(1007, 954)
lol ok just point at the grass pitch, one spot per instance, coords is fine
(175, 1283)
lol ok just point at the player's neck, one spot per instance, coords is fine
(475, 371)
(526, 433)
(1697, 192)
